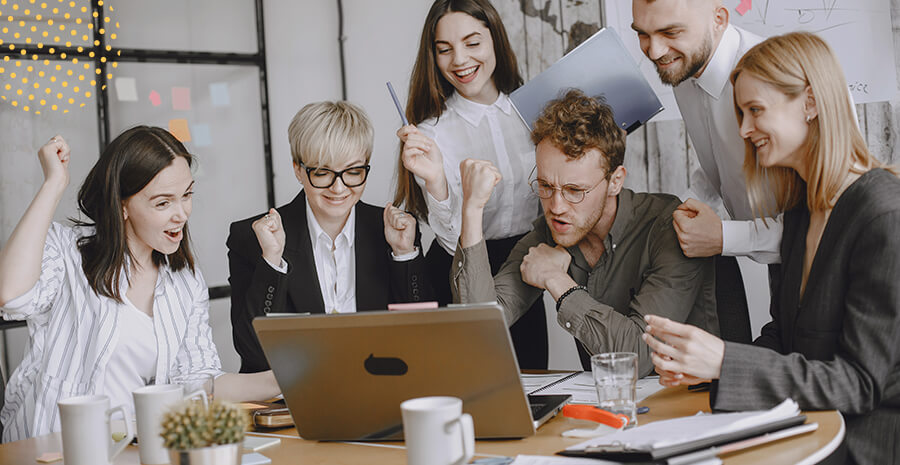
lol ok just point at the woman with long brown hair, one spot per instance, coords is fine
(459, 108)
(115, 302)
(831, 343)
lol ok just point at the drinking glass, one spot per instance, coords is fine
(615, 376)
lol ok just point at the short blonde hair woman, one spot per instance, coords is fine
(831, 343)
(325, 251)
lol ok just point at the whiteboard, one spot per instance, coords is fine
(859, 31)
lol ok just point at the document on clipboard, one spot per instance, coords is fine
(669, 438)
(600, 66)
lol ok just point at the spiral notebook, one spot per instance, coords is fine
(580, 385)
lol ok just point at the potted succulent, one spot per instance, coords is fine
(198, 434)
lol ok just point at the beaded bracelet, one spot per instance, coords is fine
(566, 294)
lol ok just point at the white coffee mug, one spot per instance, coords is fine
(150, 403)
(86, 436)
(437, 432)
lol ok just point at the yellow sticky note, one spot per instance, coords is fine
(179, 129)
(49, 457)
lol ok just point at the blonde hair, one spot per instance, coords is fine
(833, 147)
(330, 134)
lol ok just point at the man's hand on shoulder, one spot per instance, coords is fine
(699, 229)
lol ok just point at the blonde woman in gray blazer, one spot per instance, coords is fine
(835, 309)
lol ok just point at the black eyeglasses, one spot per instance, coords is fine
(570, 192)
(323, 178)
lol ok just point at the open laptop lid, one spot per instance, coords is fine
(344, 376)
(599, 66)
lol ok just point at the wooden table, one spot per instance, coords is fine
(668, 403)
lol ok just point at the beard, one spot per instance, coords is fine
(580, 228)
(693, 63)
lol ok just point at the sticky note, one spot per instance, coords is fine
(218, 93)
(413, 306)
(49, 457)
(744, 7)
(155, 98)
(181, 98)
(255, 443)
(126, 90)
(179, 129)
(255, 459)
(200, 133)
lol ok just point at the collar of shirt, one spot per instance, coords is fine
(718, 71)
(473, 112)
(316, 232)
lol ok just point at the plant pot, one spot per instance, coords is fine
(225, 454)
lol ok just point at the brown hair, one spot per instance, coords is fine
(428, 90)
(576, 123)
(834, 146)
(128, 164)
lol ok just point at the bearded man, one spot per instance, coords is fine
(694, 49)
(607, 255)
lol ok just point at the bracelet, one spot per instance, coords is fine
(566, 294)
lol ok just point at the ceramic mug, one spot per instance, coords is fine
(86, 437)
(150, 403)
(437, 432)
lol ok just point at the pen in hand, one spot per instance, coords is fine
(397, 103)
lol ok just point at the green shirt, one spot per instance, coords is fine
(642, 272)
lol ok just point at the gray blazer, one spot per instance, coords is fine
(837, 347)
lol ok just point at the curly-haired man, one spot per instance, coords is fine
(607, 255)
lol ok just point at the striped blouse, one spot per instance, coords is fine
(73, 331)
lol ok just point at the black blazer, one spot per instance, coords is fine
(257, 289)
(837, 346)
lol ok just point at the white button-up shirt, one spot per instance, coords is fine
(73, 332)
(495, 133)
(335, 263)
(707, 106)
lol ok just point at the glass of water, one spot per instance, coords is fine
(615, 376)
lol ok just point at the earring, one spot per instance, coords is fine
(808, 119)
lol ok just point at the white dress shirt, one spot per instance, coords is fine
(707, 106)
(73, 333)
(335, 263)
(495, 133)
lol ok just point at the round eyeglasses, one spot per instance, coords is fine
(570, 192)
(323, 178)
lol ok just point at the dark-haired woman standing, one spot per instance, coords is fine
(114, 303)
(459, 108)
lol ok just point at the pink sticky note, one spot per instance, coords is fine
(49, 457)
(181, 98)
(744, 7)
(179, 129)
(413, 306)
(154, 98)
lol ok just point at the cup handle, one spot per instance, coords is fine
(116, 449)
(467, 430)
(201, 394)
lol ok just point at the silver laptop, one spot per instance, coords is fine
(601, 65)
(344, 376)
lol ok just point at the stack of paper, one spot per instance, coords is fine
(675, 433)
